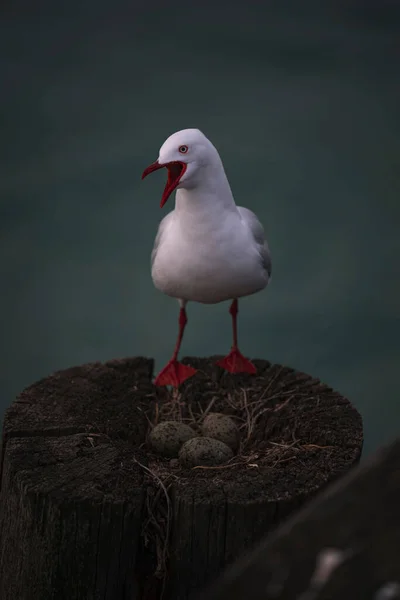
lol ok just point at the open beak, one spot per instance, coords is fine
(175, 171)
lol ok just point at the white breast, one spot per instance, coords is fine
(206, 259)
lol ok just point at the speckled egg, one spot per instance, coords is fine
(167, 437)
(204, 451)
(223, 428)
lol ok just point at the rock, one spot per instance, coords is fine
(223, 428)
(204, 451)
(167, 437)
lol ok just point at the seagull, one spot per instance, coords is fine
(207, 249)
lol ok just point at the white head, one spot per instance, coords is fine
(189, 158)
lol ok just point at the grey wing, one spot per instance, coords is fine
(161, 230)
(259, 237)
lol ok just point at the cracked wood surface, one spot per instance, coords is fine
(345, 545)
(75, 480)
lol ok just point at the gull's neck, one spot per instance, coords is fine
(211, 196)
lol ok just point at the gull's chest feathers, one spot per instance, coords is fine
(206, 259)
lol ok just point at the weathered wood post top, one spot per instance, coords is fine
(95, 503)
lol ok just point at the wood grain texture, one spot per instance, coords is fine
(77, 480)
(354, 527)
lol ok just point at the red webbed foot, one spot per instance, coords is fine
(235, 362)
(174, 373)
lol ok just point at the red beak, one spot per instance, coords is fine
(175, 171)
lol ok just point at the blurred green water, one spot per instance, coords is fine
(303, 106)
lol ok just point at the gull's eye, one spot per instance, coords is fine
(183, 149)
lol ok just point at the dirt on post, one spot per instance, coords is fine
(76, 455)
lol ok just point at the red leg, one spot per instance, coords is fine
(175, 373)
(235, 362)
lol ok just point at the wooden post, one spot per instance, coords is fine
(87, 511)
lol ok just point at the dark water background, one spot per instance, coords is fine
(302, 100)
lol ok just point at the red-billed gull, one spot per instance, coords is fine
(207, 249)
